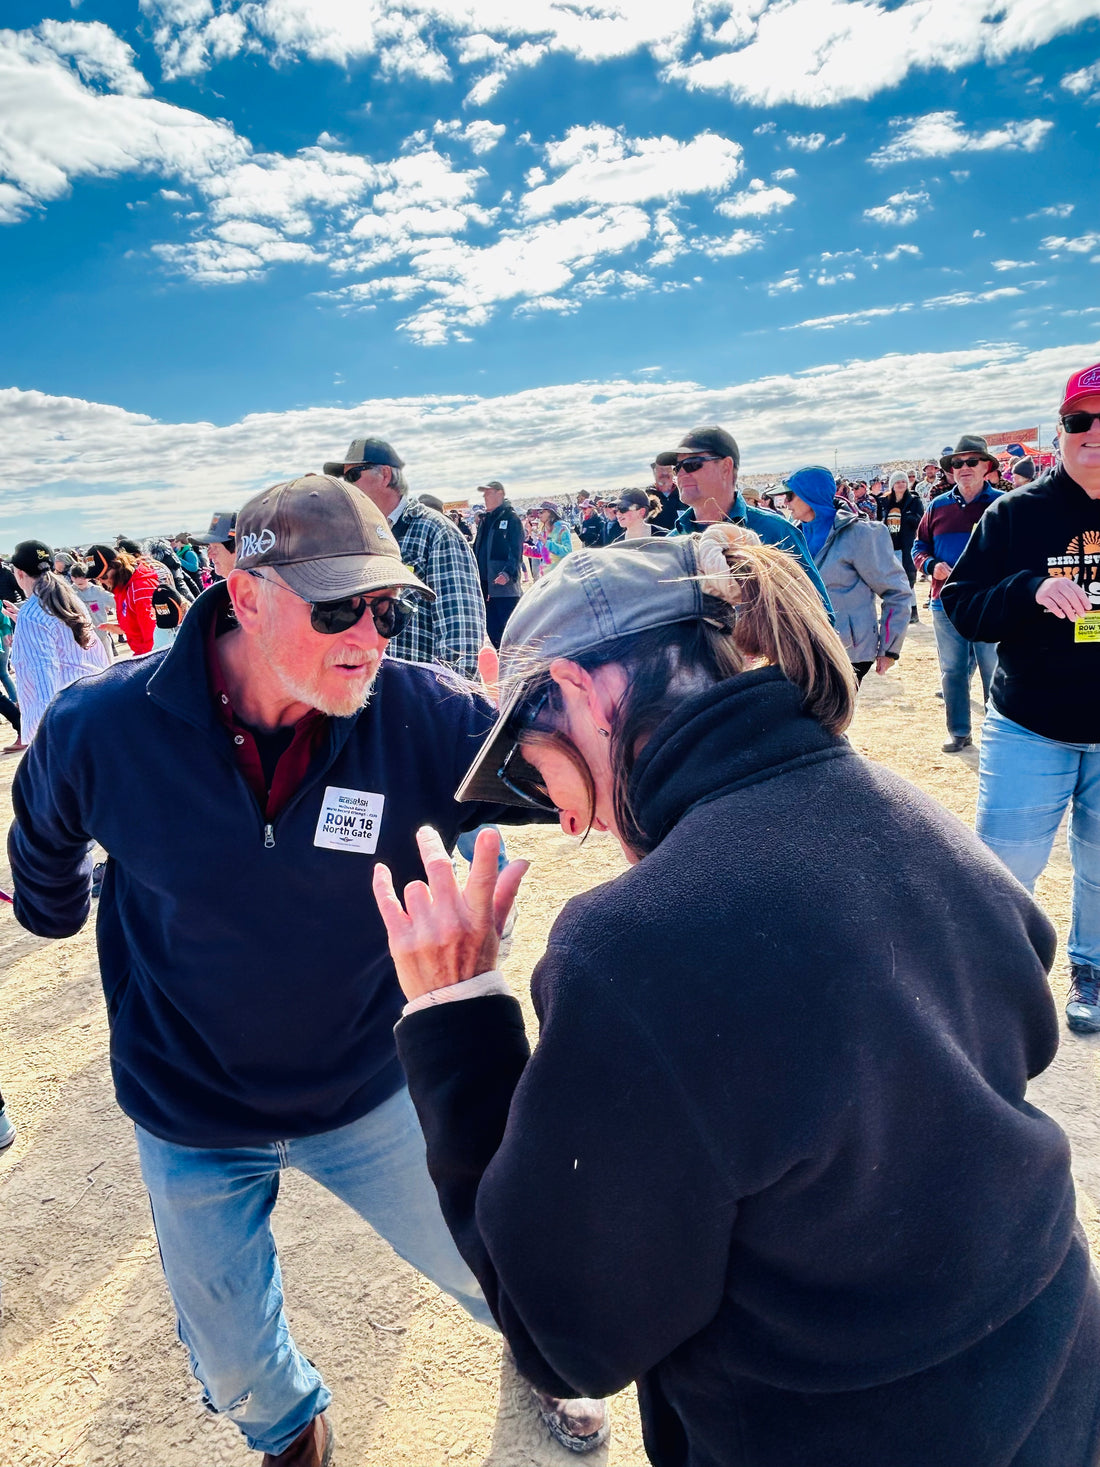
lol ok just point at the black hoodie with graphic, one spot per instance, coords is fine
(1047, 678)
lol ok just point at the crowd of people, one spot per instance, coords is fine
(773, 1162)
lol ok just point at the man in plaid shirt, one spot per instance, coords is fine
(451, 629)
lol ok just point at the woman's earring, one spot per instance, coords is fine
(604, 733)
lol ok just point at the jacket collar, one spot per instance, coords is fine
(687, 524)
(182, 685)
(736, 733)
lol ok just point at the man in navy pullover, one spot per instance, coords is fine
(941, 538)
(249, 988)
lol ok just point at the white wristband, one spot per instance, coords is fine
(478, 987)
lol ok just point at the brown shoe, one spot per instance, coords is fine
(311, 1448)
(17, 747)
(580, 1424)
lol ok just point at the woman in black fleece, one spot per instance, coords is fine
(772, 1162)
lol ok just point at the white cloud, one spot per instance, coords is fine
(902, 249)
(807, 142)
(933, 303)
(1001, 265)
(55, 127)
(603, 166)
(1053, 211)
(940, 134)
(466, 283)
(818, 53)
(789, 282)
(77, 470)
(481, 135)
(899, 209)
(782, 174)
(718, 247)
(755, 201)
(1083, 244)
(1083, 82)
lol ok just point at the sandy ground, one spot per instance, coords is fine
(90, 1367)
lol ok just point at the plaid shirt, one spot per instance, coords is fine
(450, 629)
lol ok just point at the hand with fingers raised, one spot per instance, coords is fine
(442, 935)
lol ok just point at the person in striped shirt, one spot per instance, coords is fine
(54, 642)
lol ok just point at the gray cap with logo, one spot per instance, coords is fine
(325, 539)
(590, 598)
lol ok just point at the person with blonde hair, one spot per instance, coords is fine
(54, 642)
(769, 1159)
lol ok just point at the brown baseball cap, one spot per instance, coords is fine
(325, 539)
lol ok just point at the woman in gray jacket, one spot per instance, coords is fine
(857, 563)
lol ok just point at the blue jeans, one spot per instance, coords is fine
(465, 844)
(212, 1213)
(1025, 783)
(958, 659)
(5, 677)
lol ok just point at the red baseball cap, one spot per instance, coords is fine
(1085, 383)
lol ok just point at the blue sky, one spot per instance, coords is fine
(531, 243)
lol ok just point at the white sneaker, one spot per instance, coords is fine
(7, 1131)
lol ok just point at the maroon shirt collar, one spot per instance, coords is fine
(294, 762)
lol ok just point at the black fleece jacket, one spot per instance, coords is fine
(1045, 680)
(771, 1157)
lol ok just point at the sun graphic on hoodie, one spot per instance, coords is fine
(1091, 547)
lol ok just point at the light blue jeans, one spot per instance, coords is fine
(212, 1213)
(1025, 783)
(958, 658)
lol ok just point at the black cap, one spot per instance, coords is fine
(705, 440)
(32, 557)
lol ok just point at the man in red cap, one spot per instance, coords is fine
(1029, 580)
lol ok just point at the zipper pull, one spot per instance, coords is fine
(269, 837)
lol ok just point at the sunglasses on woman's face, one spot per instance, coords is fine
(390, 614)
(1079, 422)
(971, 463)
(515, 774)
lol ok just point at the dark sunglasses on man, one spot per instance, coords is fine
(971, 463)
(693, 464)
(1079, 422)
(389, 613)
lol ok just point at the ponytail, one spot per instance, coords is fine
(60, 600)
(779, 619)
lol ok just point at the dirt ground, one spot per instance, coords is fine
(90, 1367)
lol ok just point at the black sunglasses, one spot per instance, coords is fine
(971, 463)
(1079, 422)
(528, 790)
(390, 614)
(693, 464)
(353, 475)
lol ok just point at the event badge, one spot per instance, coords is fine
(1087, 628)
(349, 821)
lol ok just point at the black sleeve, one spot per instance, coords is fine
(985, 599)
(48, 847)
(590, 1207)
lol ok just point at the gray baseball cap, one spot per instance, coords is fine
(590, 598)
(222, 529)
(325, 539)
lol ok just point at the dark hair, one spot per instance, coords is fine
(776, 620)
